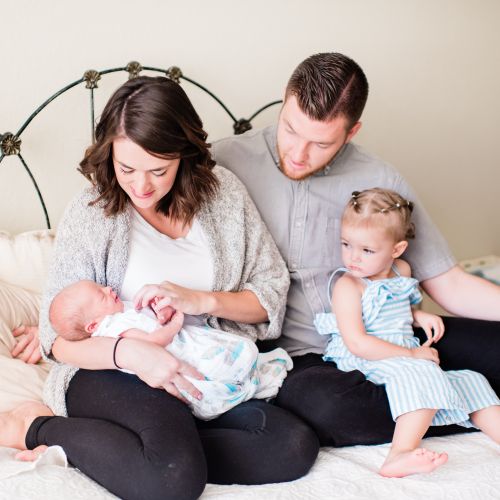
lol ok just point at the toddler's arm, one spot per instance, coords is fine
(163, 336)
(432, 325)
(346, 304)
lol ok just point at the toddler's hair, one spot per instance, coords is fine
(66, 315)
(383, 208)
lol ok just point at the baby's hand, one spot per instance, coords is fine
(432, 325)
(163, 314)
(150, 296)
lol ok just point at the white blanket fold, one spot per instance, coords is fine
(54, 455)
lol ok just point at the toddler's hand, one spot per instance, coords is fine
(432, 325)
(424, 352)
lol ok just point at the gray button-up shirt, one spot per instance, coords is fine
(304, 219)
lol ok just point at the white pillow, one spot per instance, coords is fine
(24, 258)
(18, 380)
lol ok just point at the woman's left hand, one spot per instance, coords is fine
(181, 299)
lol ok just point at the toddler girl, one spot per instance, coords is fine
(371, 330)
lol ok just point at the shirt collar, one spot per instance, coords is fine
(272, 143)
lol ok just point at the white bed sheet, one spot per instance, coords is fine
(472, 472)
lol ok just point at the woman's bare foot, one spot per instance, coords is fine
(14, 424)
(412, 462)
(30, 455)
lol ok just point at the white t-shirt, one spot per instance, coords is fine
(155, 257)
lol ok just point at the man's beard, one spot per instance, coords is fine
(299, 177)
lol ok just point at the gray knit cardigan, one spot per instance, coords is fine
(90, 245)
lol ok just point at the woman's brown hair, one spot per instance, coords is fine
(156, 114)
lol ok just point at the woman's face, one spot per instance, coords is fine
(145, 178)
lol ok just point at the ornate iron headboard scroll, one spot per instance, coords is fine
(10, 143)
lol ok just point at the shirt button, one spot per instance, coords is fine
(298, 223)
(308, 285)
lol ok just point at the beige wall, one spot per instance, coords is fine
(433, 67)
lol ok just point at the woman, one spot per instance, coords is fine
(159, 210)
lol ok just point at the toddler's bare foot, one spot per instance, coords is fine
(14, 424)
(412, 462)
(30, 455)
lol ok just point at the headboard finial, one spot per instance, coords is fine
(91, 78)
(10, 144)
(174, 73)
(133, 68)
(241, 126)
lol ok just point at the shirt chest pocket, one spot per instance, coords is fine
(321, 247)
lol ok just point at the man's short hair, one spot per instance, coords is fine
(328, 85)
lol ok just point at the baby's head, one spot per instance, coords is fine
(375, 228)
(77, 310)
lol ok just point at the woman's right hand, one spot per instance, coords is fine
(426, 352)
(27, 347)
(158, 368)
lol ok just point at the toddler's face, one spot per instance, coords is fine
(368, 252)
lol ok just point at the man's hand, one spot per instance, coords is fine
(27, 347)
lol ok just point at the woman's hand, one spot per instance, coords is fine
(27, 346)
(432, 325)
(158, 368)
(425, 352)
(168, 295)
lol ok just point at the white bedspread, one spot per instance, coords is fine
(472, 472)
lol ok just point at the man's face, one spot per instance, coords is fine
(306, 145)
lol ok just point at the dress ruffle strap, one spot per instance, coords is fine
(378, 292)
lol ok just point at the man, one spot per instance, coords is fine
(300, 174)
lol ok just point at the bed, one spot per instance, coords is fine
(473, 470)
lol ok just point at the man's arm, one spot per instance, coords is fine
(464, 294)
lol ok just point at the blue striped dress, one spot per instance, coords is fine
(411, 384)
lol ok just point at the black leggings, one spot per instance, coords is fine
(345, 409)
(142, 443)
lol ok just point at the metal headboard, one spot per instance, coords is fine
(10, 143)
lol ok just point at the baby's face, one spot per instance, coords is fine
(101, 300)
